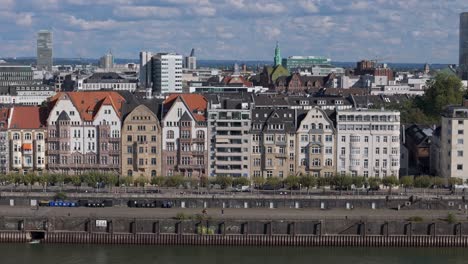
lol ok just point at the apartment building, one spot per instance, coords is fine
(4, 141)
(273, 142)
(141, 139)
(316, 149)
(368, 143)
(27, 135)
(184, 135)
(166, 73)
(452, 140)
(228, 135)
(84, 132)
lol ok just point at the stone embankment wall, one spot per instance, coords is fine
(234, 232)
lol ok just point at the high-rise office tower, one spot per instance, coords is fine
(191, 61)
(145, 69)
(167, 73)
(107, 61)
(463, 55)
(44, 50)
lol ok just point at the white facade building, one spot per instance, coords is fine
(167, 73)
(452, 143)
(368, 143)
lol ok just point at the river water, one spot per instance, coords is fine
(103, 254)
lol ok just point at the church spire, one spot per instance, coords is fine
(277, 55)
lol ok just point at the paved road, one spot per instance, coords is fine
(230, 213)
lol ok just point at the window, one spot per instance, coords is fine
(366, 151)
(328, 162)
(153, 150)
(316, 162)
(129, 161)
(16, 136)
(153, 173)
(129, 138)
(384, 150)
(129, 173)
(328, 150)
(366, 163)
(153, 161)
(460, 153)
(304, 138)
(185, 134)
(460, 122)
(377, 151)
(343, 138)
(170, 134)
(377, 139)
(343, 151)
(460, 132)
(153, 138)
(269, 162)
(200, 134)
(459, 166)
(39, 136)
(366, 139)
(316, 150)
(328, 138)
(460, 141)
(269, 174)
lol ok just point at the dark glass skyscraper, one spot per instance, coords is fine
(44, 50)
(463, 56)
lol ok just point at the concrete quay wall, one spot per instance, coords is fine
(262, 201)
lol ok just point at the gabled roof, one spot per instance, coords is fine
(88, 103)
(196, 103)
(26, 117)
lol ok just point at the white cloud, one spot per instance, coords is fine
(24, 19)
(205, 11)
(309, 6)
(359, 5)
(146, 12)
(93, 24)
(272, 33)
(6, 4)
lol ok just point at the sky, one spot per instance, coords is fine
(344, 30)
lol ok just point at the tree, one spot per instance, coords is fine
(443, 90)
(455, 181)
(374, 182)
(390, 181)
(243, 181)
(111, 180)
(158, 181)
(308, 181)
(258, 181)
(422, 182)
(324, 181)
(29, 178)
(204, 182)
(223, 181)
(274, 182)
(438, 181)
(141, 181)
(358, 181)
(174, 181)
(342, 182)
(291, 181)
(127, 180)
(407, 181)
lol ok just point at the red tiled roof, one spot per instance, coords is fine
(89, 103)
(195, 102)
(236, 80)
(25, 117)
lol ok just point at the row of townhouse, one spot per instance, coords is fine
(196, 135)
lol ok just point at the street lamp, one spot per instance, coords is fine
(300, 188)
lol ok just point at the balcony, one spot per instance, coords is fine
(198, 153)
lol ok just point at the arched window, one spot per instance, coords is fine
(170, 134)
(16, 136)
(39, 136)
(129, 173)
(201, 134)
(153, 173)
(313, 126)
(328, 162)
(320, 126)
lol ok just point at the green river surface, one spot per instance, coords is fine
(103, 254)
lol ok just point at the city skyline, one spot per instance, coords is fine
(397, 31)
